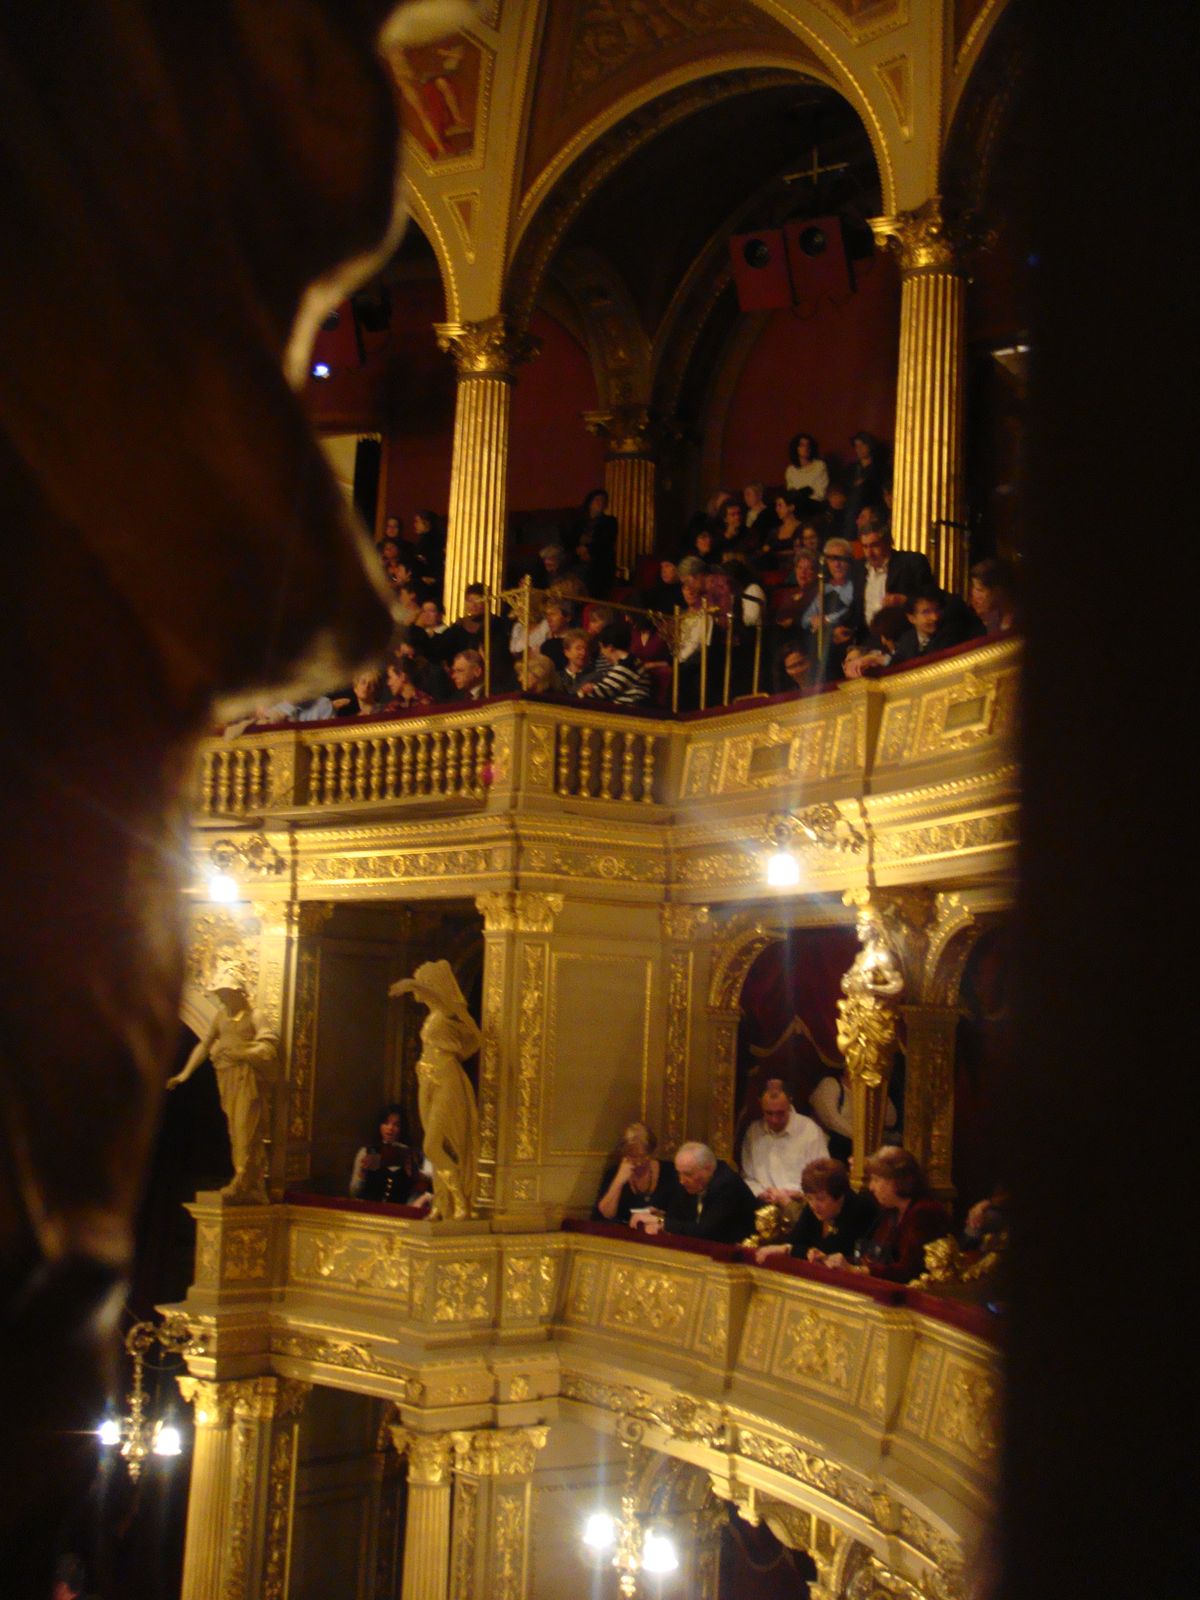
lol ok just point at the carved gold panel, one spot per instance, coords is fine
(817, 1347)
(656, 1305)
(758, 1335)
(362, 1263)
(462, 1290)
(530, 1286)
(712, 1334)
(583, 1291)
(966, 1412)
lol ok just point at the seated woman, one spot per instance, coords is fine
(390, 1170)
(775, 551)
(791, 603)
(834, 1218)
(539, 676)
(636, 1179)
(993, 596)
(405, 695)
(909, 1219)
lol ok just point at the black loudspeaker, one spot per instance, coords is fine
(818, 261)
(760, 270)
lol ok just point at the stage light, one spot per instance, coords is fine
(658, 1554)
(223, 889)
(783, 870)
(600, 1531)
(321, 370)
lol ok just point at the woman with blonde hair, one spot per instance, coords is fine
(636, 1179)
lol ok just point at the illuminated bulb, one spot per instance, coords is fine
(223, 889)
(600, 1531)
(658, 1554)
(783, 870)
(167, 1441)
(320, 369)
(109, 1433)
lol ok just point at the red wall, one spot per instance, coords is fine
(553, 460)
(830, 376)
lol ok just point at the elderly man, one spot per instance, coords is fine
(713, 1202)
(778, 1147)
(466, 673)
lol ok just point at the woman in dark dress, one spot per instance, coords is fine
(387, 1169)
(834, 1218)
(636, 1179)
(909, 1219)
(596, 544)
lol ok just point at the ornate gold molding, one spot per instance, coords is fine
(627, 430)
(930, 238)
(518, 911)
(492, 348)
(430, 1455)
(498, 1452)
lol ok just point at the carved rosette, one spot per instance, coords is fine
(492, 348)
(930, 239)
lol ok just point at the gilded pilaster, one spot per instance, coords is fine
(686, 930)
(294, 1107)
(427, 1526)
(493, 1471)
(239, 1527)
(929, 1091)
(486, 355)
(629, 475)
(929, 486)
(516, 926)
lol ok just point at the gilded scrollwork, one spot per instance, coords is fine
(463, 1292)
(965, 1416)
(679, 1043)
(529, 1050)
(244, 1255)
(491, 348)
(931, 238)
(498, 1452)
(509, 1538)
(529, 1283)
(653, 1301)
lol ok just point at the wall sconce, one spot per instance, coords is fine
(822, 826)
(135, 1435)
(636, 1539)
(255, 857)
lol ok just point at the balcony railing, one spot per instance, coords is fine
(862, 736)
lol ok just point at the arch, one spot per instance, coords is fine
(420, 209)
(738, 946)
(970, 53)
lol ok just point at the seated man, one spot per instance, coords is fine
(778, 1147)
(830, 1105)
(466, 673)
(713, 1202)
(834, 1218)
(623, 681)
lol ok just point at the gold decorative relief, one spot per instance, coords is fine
(208, 1253)
(608, 36)
(529, 1285)
(355, 1261)
(814, 1346)
(679, 1045)
(541, 756)
(684, 924)
(495, 958)
(651, 1302)
(303, 1051)
(759, 1332)
(244, 1255)
(463, 1291)
(529, 1049)
(325, 1352)
(219, 940)
(498, 1452)
(966, 1413)
(581, 1299)
(411, 864)
(465, 1524)
(519, 911)
(430, 1455)
(964, 714)
(930, 238)
(938, 839)
(492, 348)
(793, 1461)
(508, 1544)
(713, 1335)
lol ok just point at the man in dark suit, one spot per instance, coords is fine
(885, 576)
(936, 621)
(714, 1203)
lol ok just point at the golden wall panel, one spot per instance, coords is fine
(597, 1059)
(660, 1306)
(821, 1349)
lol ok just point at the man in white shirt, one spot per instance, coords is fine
(779, 1146)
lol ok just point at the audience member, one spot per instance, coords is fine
(596, 543)
(936, 622)
(877, 649)
(712, 1203)
(405, 694)
(595, 618)
(806, 473)
(830, 1105)
(538, 634)
(555, 566)
(466, 673)
(467, 632)
(733, 538)
(368, 697)
(577, 660)
(867, 479)
(637, 1180)
(760, 519)
(704, 545)
(699, 641)
(429, 539)
(792, 665)
(840, 612)
(993, 596)
(623, 681)
(389, 1169)
(559, 616)
(749, 595)
(909, 1219)
(885, 576)
(667, 593)
(811, 533)
(777, 549)
(791, 603)
(778, 1146)
(537, 675)
(432, 624)
(835, 1218)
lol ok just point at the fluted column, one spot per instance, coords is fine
(629, 476)
(427, 1524)
(487, 355)
(239, 1522)
(929, 483)
(929, 1091)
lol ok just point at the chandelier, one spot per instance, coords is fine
(136, 1436)
(638, 1542)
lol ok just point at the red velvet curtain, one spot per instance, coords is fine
(789, 1015)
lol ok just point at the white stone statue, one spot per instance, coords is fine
(246, 1061)
(445, 1098)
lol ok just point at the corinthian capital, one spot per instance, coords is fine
(628, 430)
(492, 348)
(929, 239)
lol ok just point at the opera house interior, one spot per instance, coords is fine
(563, 1025)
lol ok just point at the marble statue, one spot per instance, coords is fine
(245, 1058)
(445, 1098)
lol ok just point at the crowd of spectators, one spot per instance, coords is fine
(775, 589)
(786, 1164)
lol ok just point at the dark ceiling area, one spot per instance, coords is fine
(656, 213)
